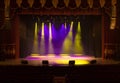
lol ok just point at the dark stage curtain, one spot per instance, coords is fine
(26, 28)
(90, 32)
(91, 35)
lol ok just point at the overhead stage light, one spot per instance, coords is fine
(42, 30)
(50, 30)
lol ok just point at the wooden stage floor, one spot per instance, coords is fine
(58, 60)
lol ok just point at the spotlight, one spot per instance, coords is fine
(71, 63)
(45, 63)
(24, 61)
(93, 62)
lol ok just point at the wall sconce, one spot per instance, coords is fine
(113, 23)
(113, 15)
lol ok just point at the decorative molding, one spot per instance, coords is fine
(7, 9)
(66, 2)
(102, 3)
(19, 2)
(114, 2)
(55, 2)
(43, 2)
(78, 3)
(31, 2)
(90, 2)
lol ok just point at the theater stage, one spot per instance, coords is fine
(61, 59)
(58, 60)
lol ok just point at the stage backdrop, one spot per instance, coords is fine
(60, 35)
